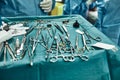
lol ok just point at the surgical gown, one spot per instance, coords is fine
(75, 7)
(110, 23)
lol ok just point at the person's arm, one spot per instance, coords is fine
(47, 5)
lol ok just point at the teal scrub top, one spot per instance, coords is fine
(0, 21)
(12, 8)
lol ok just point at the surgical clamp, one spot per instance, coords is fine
(10, 51)
(55, 46)
(83, 39)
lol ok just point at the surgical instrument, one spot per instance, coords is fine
(34, 42)
(10, 50)
(66, 31)
(58, 27)
(49, 32)
(54, 47)
(53, 32)
(83, 39)
(76, 42)
(30, 58)
(5, 54)
(98, 39)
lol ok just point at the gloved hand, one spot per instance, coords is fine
(46, 5)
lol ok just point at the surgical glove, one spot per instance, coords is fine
(46, 5)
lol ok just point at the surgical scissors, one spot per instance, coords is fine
(88, 41)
